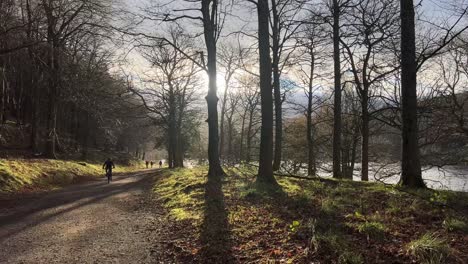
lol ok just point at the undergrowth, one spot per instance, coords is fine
(321, 220)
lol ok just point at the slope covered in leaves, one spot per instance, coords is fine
(323, 221)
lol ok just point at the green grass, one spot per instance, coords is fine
(181, 191)
(21, 174)
(323, 221)
(374, 230)
(429, 248)
(452, 224)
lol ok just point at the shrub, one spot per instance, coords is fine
(429, 249)
(374, 230)
(453, 224)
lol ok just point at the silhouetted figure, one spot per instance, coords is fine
(147, 163)
(160, 163)
(151, 164)
(108, 166)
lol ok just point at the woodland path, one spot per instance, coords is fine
(94, 222)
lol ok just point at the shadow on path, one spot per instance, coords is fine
(53, 204)
(215, 232)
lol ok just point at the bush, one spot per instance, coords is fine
(453, 224)
(374, 230)
(429, 249)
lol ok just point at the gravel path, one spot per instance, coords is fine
(93, 222)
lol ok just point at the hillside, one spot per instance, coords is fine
(318, 221)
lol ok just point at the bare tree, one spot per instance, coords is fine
(171, 92)
(285, 22)
(312, 50)
(230, 58)
(265, 170)
(371, 27)
(210, 15)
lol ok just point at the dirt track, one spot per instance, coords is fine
(86, 223)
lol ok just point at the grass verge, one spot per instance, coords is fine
(26, 175)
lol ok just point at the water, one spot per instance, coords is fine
(454, 178)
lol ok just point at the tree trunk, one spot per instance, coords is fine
(278, 119)
(310, 141)
(353, 152)
(337, 98)
(215, 169)
(410, 164)
(53, 94)
(277, 89)
(241, 146)
(223, 113)
(365, 136)
(249, 136)
(265, 170)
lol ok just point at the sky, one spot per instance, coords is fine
(243, 18)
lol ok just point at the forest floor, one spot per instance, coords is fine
(92, 222)
(178, 216)
(309, 221)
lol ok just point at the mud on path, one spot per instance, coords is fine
(93, 222)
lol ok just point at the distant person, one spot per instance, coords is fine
(108, 166)
(160, 163)
(151, 164)
(147, 163)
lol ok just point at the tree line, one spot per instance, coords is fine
(56, 80)
(377, 52)
(322, 83)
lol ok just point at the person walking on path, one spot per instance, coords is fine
(160, 163)
(151, 164)
(147, 163)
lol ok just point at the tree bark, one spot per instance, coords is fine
(277, 89)
(365, 136)
(215, 170)
(265, 169)
(223, 114)
(337, 91)
(411, 175)
(311, 171)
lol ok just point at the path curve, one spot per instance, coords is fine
(94, 222)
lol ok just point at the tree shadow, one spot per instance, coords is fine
(215, 234)
(38, 210)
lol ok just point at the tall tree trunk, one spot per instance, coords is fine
(365, 136)
(215, 169)
(230, 127)
(310, 141)
(277, 88)
(353, 152)
(265, 170)
(410, 164)
(53, 93)
(278, 119)
(223, 114)
(337, 99)
(249, 137)
(241, 141)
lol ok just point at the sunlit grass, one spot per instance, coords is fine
(47, 174)
(335, 218)
(429, 248)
